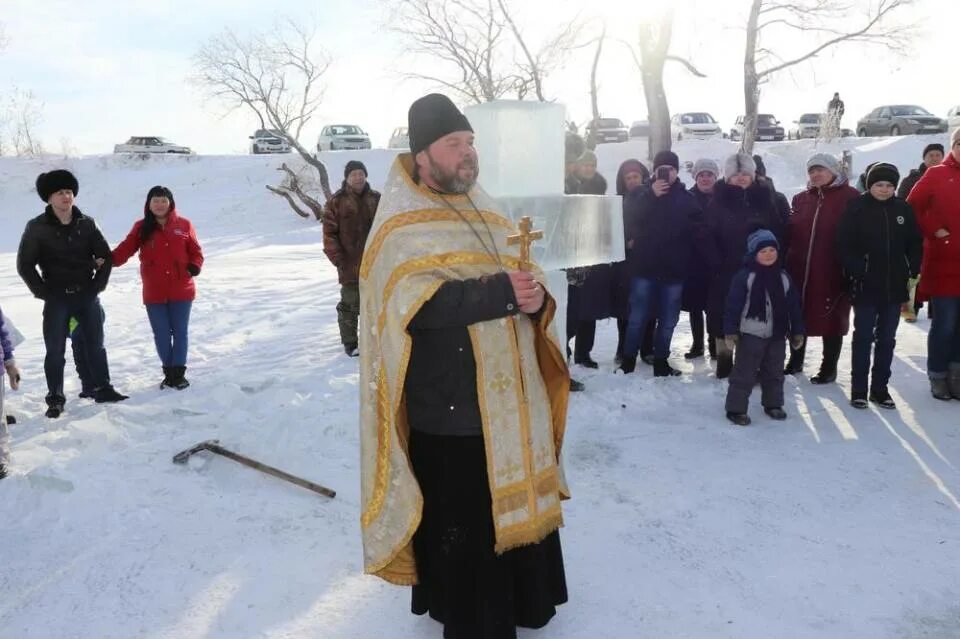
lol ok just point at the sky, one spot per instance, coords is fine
(108, 69)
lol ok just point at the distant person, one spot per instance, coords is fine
(65, 245)
(347, 220)
(13, 375)
(696, 288)
(880, 247)
(936, 201)
(836, 109)
(762, 310)
(589, 291)
(813, 264)
(933, 155)
(170, 259)
(740, 206)
(631, 175)
(662, 222)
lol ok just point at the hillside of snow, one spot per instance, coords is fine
(835, 524)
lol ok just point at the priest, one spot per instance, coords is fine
(463, 396)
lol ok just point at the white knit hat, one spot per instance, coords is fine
(706, 165)
(827, 161)
(739, 163)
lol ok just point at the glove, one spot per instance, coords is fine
(731, 341)
(796, 342)
(193, 270)
(13, 373)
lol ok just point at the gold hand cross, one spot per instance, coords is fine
(525, 238)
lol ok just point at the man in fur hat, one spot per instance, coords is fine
(463, 396)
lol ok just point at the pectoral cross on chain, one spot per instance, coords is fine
(525, 238)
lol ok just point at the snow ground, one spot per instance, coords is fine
(835, 524)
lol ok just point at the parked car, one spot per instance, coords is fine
(607, 130)
(768, 128)
(150, 144)
(808, 126)
(900, 119)
(268, 141)
(400, 139)
(953, 118)
(640, 129)
(697, 125)
(341, 137)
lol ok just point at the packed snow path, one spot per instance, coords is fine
(835, 524)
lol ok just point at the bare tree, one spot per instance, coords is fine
(827, 23)
(595, 90)
(21, 115)
(485, 54)
(654, 46)
(277, 75)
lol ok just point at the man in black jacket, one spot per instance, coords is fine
(74, 266)
(932, 155)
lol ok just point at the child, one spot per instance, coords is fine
(10, 366)
(880, 246)
(763, 307)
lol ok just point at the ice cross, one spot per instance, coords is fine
(521, 146)
(525, 238)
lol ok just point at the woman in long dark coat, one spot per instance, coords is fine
(740, 205)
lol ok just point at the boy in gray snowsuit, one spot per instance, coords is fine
(10, 367)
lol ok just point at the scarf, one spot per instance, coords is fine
(768, 282)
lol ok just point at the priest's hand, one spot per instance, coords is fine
(527, 290)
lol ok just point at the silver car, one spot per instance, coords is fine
(268, 141)
(400, 139)
(900, 119)
(342, 137)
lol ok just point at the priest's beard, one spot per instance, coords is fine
(450, 181)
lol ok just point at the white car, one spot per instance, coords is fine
(807, 127)
(696, 125)
(953, 119)
(341, 137)
(150, 144)
(268, 141)
(400, 139)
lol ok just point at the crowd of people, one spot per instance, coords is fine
(879, 251)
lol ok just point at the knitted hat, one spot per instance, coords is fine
(354, 165)
(666, 158)
(825, 160)
(933, 147)
(50, 183)
(432, 117)
(883, 172)
(761, 239)
(706, 165)
(739, 163)
(588, 157)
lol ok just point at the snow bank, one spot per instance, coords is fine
(836, 523)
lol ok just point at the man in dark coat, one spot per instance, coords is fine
(347, 219)
(696, 288)
(740, 206)
(812, 262)
(631, 175)
(933, 155)
(662, 222)
(880, 247)
(67, 247)
(589, 292)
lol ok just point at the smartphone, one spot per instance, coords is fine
(663, 173)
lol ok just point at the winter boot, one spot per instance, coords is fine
(953, 382)
(167, 377)
(177, 379)
(881, 397)
(662, 368)
(55, 405)
(776, 413)
(858, 400)
(586, 362)
(576, 387)
(11, 420)
(351, 350)
(695, 352)
(86, 393)
(740, 419)
(628, 365)
(828, 367)
(108, 395)
(940, 389)
(795, 363)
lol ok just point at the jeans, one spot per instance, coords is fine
(169, 323)
(57, 312)
(873, 326)
(645, 295)
(943, 340)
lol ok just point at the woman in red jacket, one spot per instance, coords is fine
(936, 202)
(170, 257)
